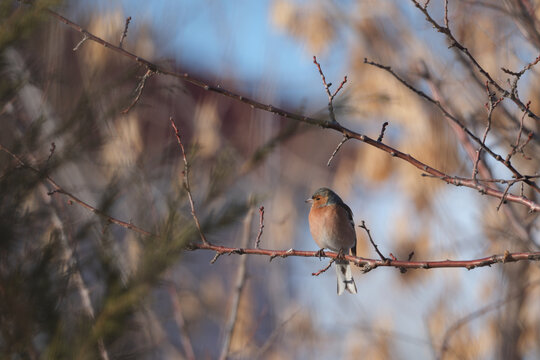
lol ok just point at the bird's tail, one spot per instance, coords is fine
(345, 280)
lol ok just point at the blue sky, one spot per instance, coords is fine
(214, 37)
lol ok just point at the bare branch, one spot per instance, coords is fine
(533, 206)
(124, 33)
(261, 227)
(139, 89)
(383, 129)
(490, 105)
(516, 147)
(324, 269)
(186, 182)
(345, 138)
(327, 88)
(85, 37)
(363, 226)
(57, 189)
(370, 264)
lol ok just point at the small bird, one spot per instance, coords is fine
(332, 227)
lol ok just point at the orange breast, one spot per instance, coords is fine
(331, 228)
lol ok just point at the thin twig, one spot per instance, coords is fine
(261, 227)
(328, 92)
(490, 105)
(139, 89)
(186, 182)
(85, 37)
(363, 226)
(383, 129)
(51, 151)
(446, 14)
(339, 87)
(516, 147)
(345, 138)
(324, 269)
(124, 33)
(504, 195)
(239, 286)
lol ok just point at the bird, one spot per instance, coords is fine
(332, 227)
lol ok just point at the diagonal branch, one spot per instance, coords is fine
(186, 182)
(533, 206)
(57, 189)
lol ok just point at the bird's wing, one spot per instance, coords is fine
(350, 215)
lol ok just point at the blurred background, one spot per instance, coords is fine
(74, 285)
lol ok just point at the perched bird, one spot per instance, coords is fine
(332, 227)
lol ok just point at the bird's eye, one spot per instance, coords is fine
(317, 198)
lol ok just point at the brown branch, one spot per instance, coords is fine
(324, 269)
(327, 88)
(261, 227)
(139, 89)
(533, 206)
(186, 182)
(490, 105)
(58, 189)
(363, 226)
(345, 138)
(446, 23)
(51, 151)
(504, 195)
(516, 148)
(370, 264)
(124, 33)
(383, 129)
(85, 37)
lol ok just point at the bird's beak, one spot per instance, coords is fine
(310, 200)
